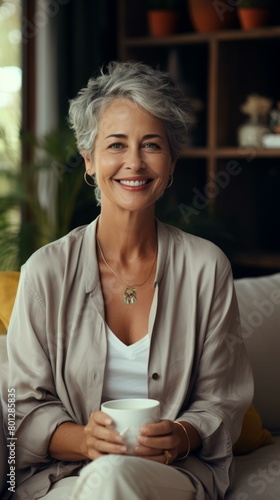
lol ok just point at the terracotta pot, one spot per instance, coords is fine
(162, 22)
(204, 17)
(253, 17)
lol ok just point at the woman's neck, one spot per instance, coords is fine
(128, 237)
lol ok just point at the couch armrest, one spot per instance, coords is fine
(259, 304)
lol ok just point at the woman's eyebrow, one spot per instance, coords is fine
(124, 136)
(119, 136)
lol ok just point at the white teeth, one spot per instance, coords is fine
(134, 183)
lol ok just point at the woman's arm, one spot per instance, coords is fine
(73, 442)
(39, 411)
(68, 442)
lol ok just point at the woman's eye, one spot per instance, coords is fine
(151, 145)
(116, 145)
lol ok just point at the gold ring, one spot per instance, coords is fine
(168, 456)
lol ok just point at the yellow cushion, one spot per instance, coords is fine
(253, 435)
(8, 287)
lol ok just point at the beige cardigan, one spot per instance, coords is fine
(57, 352)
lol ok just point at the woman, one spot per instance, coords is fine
(127, 307)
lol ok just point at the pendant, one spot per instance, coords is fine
(129, 295)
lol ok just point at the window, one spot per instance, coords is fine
(10, 82)
(10, 124)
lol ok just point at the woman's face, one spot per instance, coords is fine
(131, 159)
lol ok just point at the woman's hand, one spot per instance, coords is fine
(99, 438)
(160, 442)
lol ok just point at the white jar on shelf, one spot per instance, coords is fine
(251, 133)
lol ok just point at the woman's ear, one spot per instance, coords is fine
(88, 163)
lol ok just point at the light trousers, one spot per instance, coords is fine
(118, 477)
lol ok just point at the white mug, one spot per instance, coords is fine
(129, 415)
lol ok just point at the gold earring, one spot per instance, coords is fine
(87, 182)
(170, 181)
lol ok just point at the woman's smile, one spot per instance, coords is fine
(134, 184)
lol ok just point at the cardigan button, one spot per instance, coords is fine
(155, 376)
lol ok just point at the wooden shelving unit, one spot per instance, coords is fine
(220, 69)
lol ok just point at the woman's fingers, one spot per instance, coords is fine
(100, 439)
(97, 447)
(162, 456)
(159, 441)
(161, 428)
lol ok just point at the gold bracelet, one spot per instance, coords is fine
(189, 444)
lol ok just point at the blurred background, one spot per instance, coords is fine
(224, 56)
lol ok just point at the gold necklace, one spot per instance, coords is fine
(130, 294)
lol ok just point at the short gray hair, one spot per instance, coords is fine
(150, 88)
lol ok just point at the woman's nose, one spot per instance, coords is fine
(134, 159)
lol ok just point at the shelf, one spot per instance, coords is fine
(245, 152)
(191, 38)
(220, 69)
(230, 152)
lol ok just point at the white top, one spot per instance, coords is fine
(126, 371)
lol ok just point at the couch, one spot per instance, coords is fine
(257, 451)
(257, 474)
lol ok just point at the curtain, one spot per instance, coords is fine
(86, 38)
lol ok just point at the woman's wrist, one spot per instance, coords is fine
(185, 440)
(190, 439)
